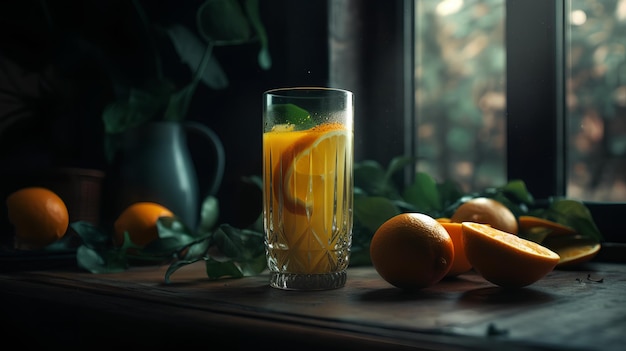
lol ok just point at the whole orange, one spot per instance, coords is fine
(139, 220)
(412, 251)
(486, 211)
(39, 215)
(460, 264)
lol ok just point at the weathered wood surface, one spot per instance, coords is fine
(567, 310)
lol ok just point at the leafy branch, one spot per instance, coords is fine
(238, 252)
(219, 23)
(227, 251)
(378, 197)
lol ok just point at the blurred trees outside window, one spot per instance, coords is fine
(460, 91)
(460, 94)
(596, 99)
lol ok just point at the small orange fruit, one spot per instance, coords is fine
(39, 216)
(412, 251)
(460, 264)
(487, 211)
(505, 259)
(139, 220)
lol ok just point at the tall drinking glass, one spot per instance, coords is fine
(307, 186)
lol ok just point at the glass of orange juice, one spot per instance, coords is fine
(307, 186)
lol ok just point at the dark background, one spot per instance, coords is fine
(57, 73)
(59, 66)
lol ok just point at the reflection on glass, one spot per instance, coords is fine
(460, 91)
(596, 100)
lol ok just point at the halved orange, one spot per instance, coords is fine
(528, 223)
(308, 156)
(505, 259)
(577, 254)
(574, 250)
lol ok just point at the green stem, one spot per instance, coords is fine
(191, 88)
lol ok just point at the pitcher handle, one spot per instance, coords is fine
(219, 152)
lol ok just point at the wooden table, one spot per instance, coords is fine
(567, 310)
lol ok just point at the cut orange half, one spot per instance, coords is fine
(305, 165)
(574, 250)
(577, 254)
(505, 259)
(530, 223)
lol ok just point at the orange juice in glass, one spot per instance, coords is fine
(307, 186)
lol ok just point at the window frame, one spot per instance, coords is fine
(535, 48)
(534, 93)
(536, 32)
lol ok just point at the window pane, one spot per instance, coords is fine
(596, 100)
(460, 91)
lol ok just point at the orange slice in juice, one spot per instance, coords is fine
(305, 161)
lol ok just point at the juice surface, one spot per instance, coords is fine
(308, 198)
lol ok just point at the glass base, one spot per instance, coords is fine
(291, 281)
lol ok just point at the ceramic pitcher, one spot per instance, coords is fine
(154, 163)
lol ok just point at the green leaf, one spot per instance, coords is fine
(223, 22)
(94, 261)
(179, 101)
(65, 244)
(449, 192)
(253, 266)
(128, 244)
(196, 249)
(174, 266)
(171, 226)
(289, 114)
(371, 179)
(518, 191)
(140, 106)
(197, 54)
(397, 164)
(216, 269)
(189, 254)
(173, 236)
(575, 214)
(209, 214)
(91, 235)
(238, 244)
(253, 13)
(120, 116)
(264, 58)
(424, 194)
(372, 211)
